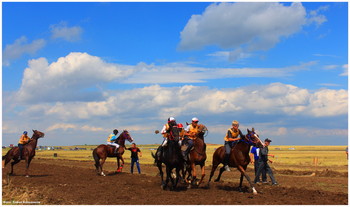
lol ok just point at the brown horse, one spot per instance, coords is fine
(28, 153)
(197, 156)
(103, 151)
(239, 157)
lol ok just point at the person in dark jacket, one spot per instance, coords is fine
(135, 157)
(262, 163)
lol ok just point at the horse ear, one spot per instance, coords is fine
(253, 129)
(33, 130)
(248, 130)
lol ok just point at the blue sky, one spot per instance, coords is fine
(78, 70)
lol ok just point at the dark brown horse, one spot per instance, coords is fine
(197, 156)
(239, 157)
(103, 151)
(172, 158)
(28, 153)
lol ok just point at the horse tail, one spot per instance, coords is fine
(6, 158)
(154, 157)
(96, 158)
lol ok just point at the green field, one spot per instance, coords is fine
(297, 158)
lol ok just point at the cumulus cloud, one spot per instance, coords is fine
(65, 79)
(156, 101)
(70, 34)
(21, 47)
(246, 27)
(230, 25)
(80, 77)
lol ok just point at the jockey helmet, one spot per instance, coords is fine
(180, 125)
(115, 131)
(195, 119)
(25, 132)
(170, 119)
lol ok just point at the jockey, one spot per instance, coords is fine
(166, 133)
(23, 140)
(111, 140)
(182, 132)
(191, 132)
(231, 140)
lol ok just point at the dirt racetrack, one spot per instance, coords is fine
(66, 182)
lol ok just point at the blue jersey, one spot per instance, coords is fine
(255, 151)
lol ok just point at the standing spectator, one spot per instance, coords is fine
(346, 152)
(135, 151)
(263, 165)
(254, 157)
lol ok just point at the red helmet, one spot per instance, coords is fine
(179, 125)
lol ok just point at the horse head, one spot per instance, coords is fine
(125, 136)
(202, 131)
(253, 138)
(37, 134)
(174, 133)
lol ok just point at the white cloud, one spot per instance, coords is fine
(230, 25)
(156, 101)
(80, 77)
(345, 73)
(70, 34)
(246, 27)
(61, 126)
(21, 47)
(65, 79)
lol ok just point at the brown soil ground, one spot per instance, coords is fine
(63, 182)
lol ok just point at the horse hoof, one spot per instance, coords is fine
(103, 174)
(216, 180)
(27, 176)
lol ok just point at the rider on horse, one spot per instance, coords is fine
(231, 139)
(191, 132)
(166, 133)
(111, 140)
(22, 141)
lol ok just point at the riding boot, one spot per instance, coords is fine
(116, 150)
(226, 161)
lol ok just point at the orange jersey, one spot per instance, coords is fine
(24, 139)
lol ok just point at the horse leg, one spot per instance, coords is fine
(243, 172)
(168, 176)
(101, 165)
(28, 160)
(203, 173)
(122, 165)
(177, 176)
(240, 183)
(213, 168)
(159, 165)
(194, 175)
(222, 169)
(12, 164)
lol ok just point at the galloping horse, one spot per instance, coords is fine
(239, 157)
(197, 156)
(172, 158)
(103, 151)
(28, 152)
